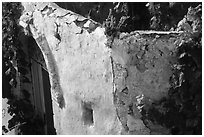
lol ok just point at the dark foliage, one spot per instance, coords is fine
(166, 15)
(141, 15)
(24, 118)
(181, 111)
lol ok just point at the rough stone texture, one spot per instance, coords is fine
(88, 78)
(142, 69)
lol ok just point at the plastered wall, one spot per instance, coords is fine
(97, 89)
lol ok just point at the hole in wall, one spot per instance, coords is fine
(87, 113)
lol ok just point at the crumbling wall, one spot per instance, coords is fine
(100, 89)
(79, 67)
(142, 69)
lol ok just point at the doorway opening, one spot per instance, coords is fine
(42, 99)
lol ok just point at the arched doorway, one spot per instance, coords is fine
(42, 99)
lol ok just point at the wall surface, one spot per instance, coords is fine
(142, 69)
(79, 66)
(94, 86)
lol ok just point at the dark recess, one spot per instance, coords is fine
(87, 115)
(48, 104)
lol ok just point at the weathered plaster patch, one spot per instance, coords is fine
(142, 67)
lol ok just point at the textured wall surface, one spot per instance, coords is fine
(97, 89)
(142, 69)
(79, 65)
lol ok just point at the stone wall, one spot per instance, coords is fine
(142, 69)
(99, 89)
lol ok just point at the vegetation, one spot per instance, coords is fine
(24, 118)
(181, 111)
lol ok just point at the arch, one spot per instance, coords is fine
(42, 98)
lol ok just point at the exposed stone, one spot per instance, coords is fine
(142, 69)
(97, 89)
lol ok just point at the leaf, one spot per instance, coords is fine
(4, 129)
(13, 82)
(8, 71)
